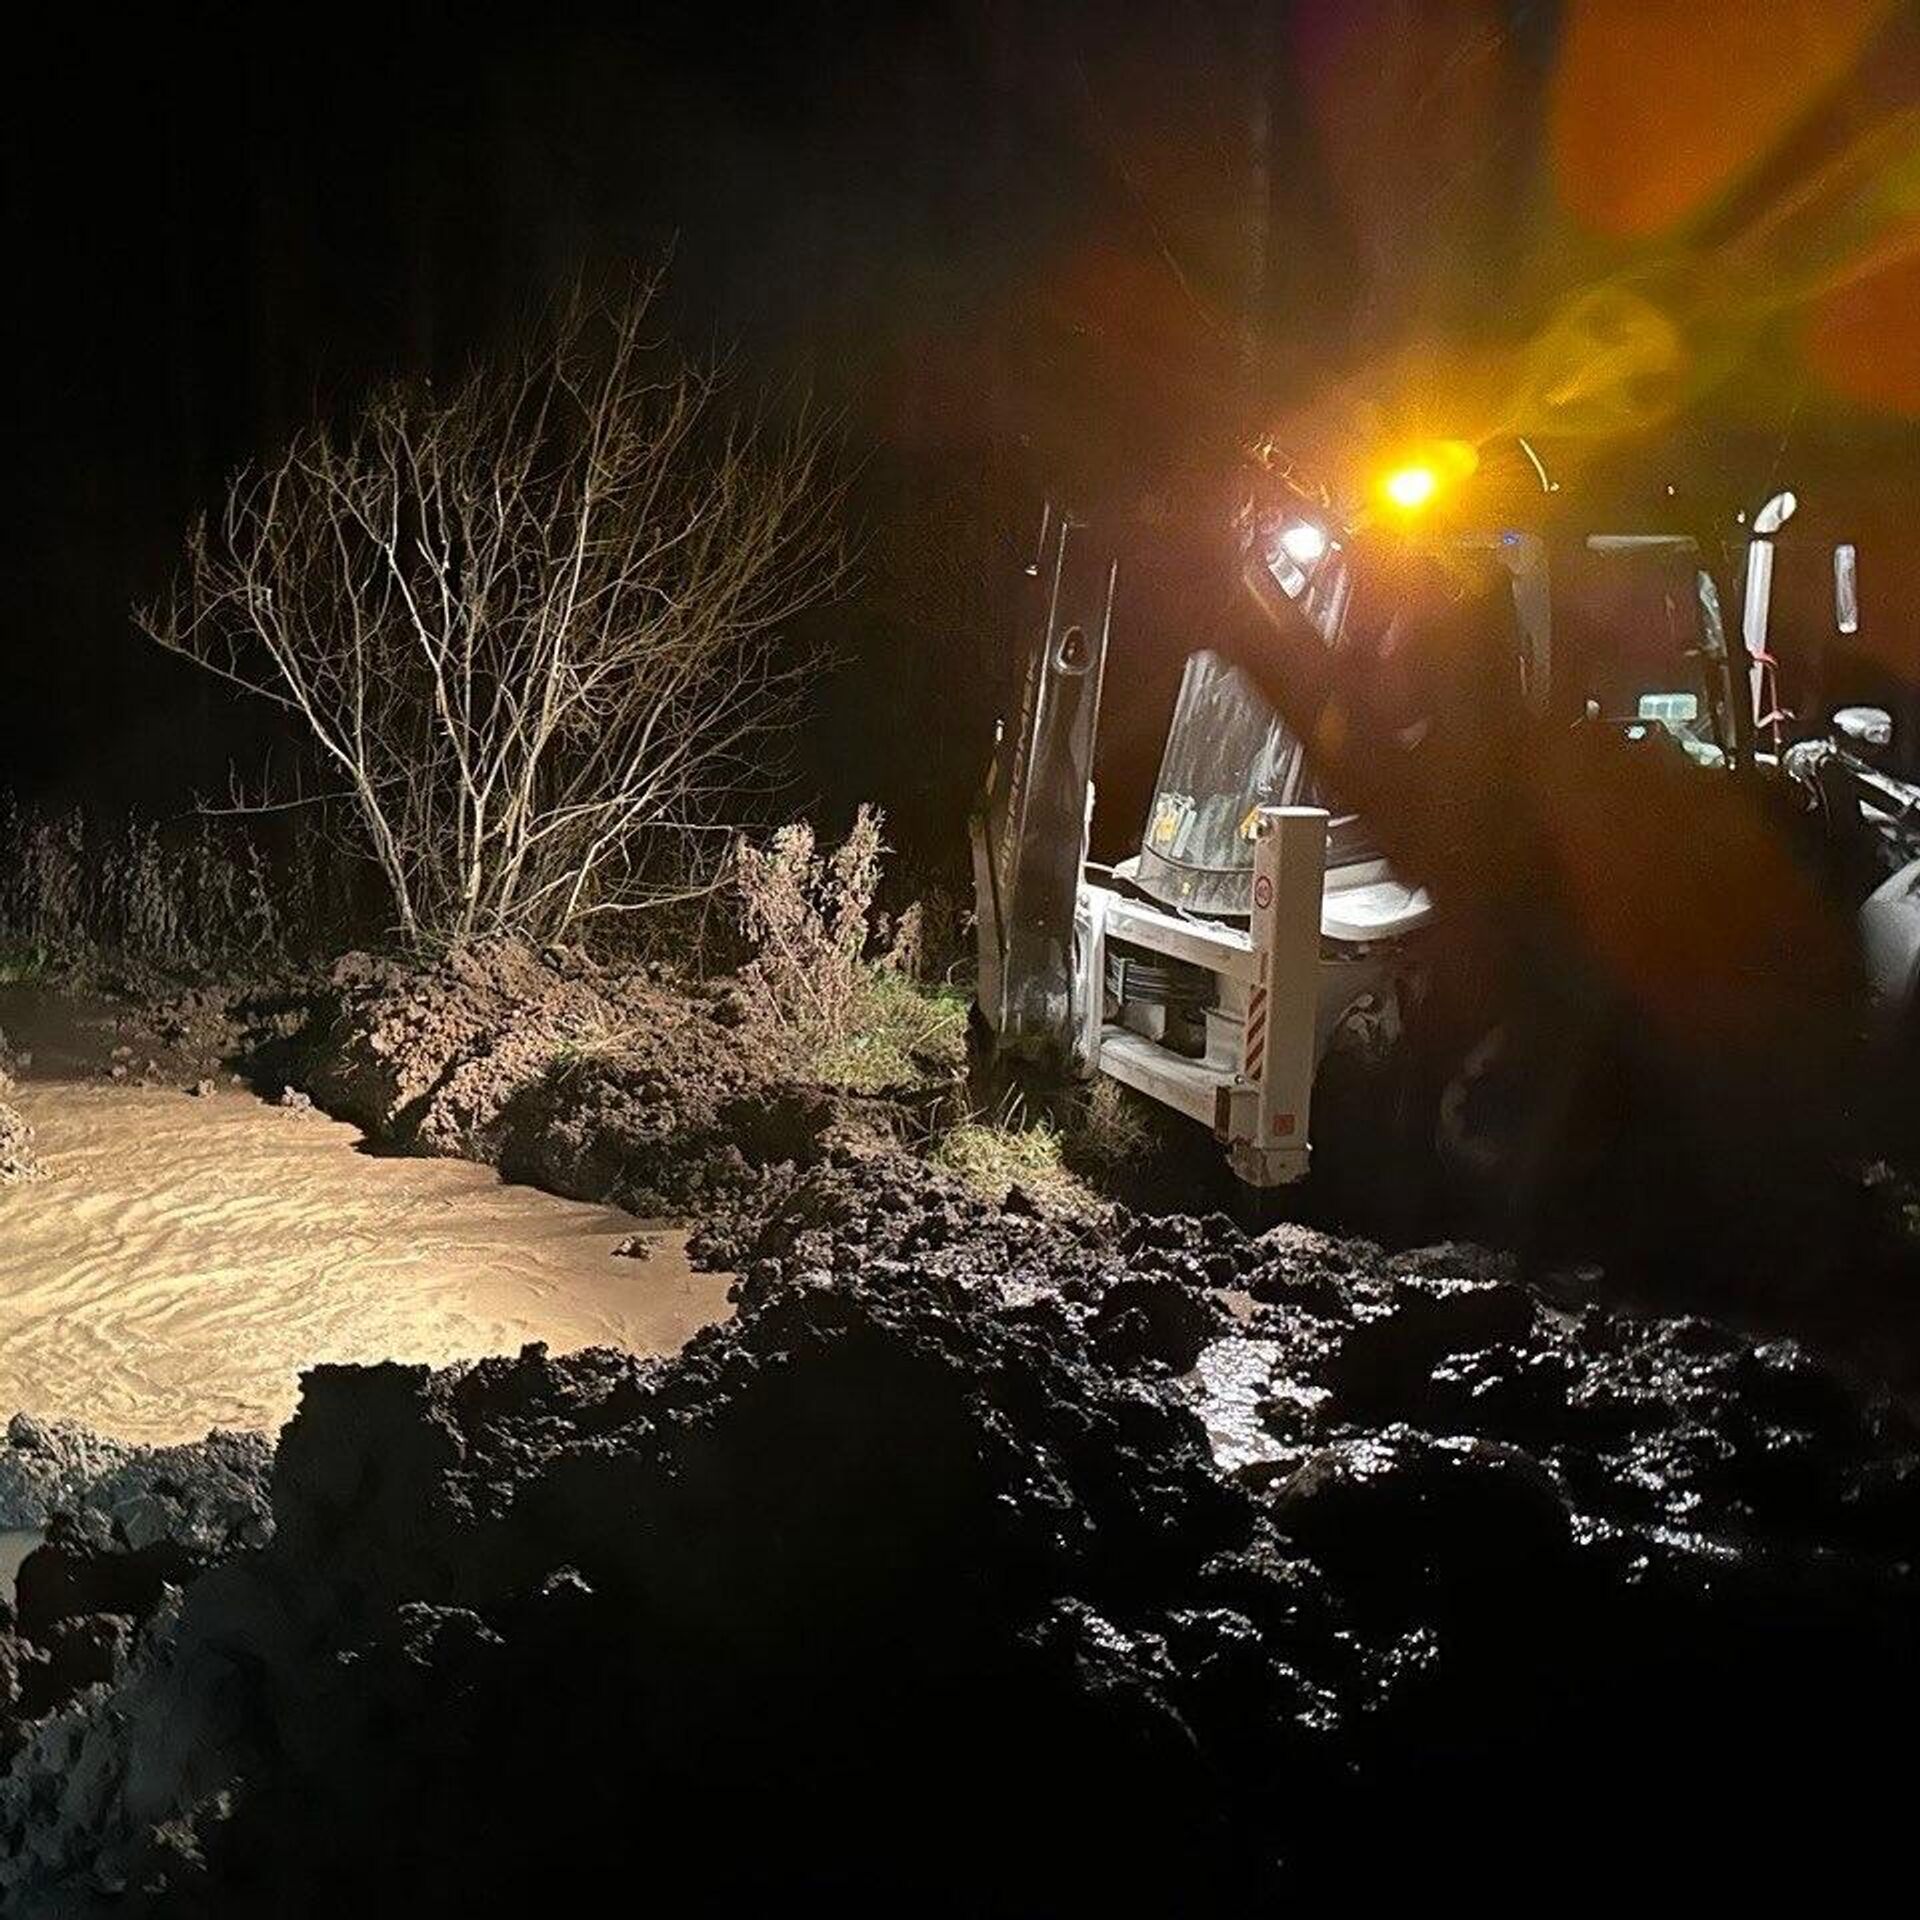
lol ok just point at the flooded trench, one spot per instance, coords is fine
(186, 1258)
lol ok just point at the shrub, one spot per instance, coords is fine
(858, 1017)
(806, 917)
(534, 628)
(181, 897)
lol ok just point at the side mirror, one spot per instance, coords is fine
(1868, 728)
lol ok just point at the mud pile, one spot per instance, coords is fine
(918, 1585)
(188, 1034)
(596, 1084)
(124, 1525)
(53, 1466)
(18, 1161)
(144, 1030)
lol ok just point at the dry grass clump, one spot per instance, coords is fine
(1084, 1148)
(1109, 1134)
(182, 898)
(827, 972)
(994, 1156)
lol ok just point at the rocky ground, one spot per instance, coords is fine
(989, 1560)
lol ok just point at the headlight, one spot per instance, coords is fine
(1417, 481)
(1303, 543)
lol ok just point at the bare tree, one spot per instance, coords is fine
(537, 627)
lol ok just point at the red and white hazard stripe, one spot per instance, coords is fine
(1254, 1056)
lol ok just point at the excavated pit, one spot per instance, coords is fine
(919, 1583)
(989, 1559)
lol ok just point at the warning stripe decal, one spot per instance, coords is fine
(1254, 1055)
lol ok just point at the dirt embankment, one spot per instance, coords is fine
(610, 1085)
(596, 1084)
(918, 1584)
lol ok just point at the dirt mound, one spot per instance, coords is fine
(124, 1525)
(187, 1034)
(18, 1161)
(53, 1466)
(593, 1083)
(918, 1584)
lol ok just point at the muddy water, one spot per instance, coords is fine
(187, 1257)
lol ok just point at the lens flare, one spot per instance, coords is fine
(1410, 488)
(1416, 480)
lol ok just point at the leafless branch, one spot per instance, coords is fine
(537, 628)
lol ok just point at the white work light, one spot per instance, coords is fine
(1304, 542)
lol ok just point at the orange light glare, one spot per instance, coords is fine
(1410, 488)
(1418, 480)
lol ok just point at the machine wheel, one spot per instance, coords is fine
(1254, 1209)
(1503, 1131)
(1373, 1159)
(1478, 1129)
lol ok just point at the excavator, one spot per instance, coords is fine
(1288, 926)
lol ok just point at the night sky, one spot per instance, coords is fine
(1017, 246)
(226, 217)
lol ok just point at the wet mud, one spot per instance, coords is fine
(596, 1084)
(987, 1562)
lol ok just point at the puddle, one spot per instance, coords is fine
(1229, 1383)
(186, 1258)
(1237, 1387)
(15, 1544)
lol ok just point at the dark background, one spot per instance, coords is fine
(1018, 247)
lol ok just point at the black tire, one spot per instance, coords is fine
(1374, 1169)
(1505, 1137)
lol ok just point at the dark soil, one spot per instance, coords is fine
(627, 1086)
(149, 1032)
(124, 1524)
(916, 1587)
(615, 1085)
(990, 1560)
